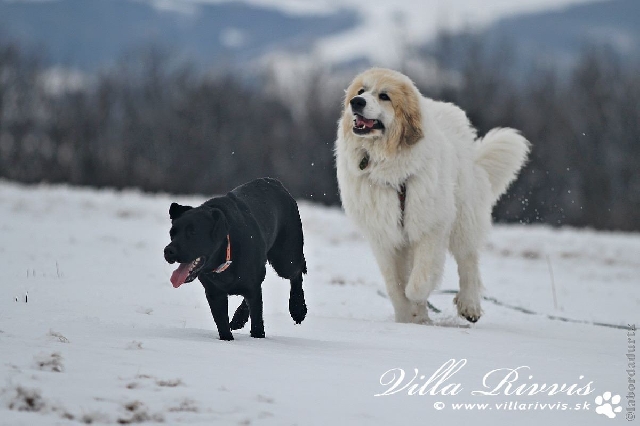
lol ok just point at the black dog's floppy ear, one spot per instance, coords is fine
(176, 210)
(220, 224)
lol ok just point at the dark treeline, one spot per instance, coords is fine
(159, 126)
(585, 128)
(156, 126)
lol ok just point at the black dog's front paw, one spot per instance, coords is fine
(257, 334)
(226, 337)
(241, 316)
(236, 324)
(297, 309)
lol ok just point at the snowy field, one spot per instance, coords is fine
(105, 338)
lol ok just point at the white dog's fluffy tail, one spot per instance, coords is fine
(501, 153)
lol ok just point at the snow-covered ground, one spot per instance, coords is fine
(104, 337)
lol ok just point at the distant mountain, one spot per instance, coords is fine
(87, 34)
(559, 37)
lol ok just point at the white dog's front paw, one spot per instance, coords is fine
(420, 319)
(419, 314)
(416, 314)
(468, 307)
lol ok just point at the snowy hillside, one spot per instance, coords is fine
(89, 34)
(104, 337)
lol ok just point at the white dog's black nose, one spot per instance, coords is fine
(357, 103)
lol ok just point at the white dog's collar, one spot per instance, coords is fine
(402, 197)
(364, 163)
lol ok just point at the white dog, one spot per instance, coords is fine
(414, 176)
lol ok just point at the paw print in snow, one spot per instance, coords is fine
(605, 408)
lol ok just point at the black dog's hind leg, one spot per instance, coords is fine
(255, 311)
(241, 316)
(297, 305)
(219, 305)
(287, 258)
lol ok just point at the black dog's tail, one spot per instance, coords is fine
(286, 255)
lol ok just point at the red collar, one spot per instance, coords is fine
(227, 262)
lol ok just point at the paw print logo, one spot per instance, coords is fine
(605, 407)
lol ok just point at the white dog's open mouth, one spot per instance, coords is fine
(362, 126)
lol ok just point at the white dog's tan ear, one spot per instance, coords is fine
(410, 119)
(407, 124)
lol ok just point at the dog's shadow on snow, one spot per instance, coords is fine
(201, 335)
(190, 334)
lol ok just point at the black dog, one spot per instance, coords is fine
(226, 243)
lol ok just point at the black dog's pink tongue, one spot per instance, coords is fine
(361, 121)
(180, 275)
